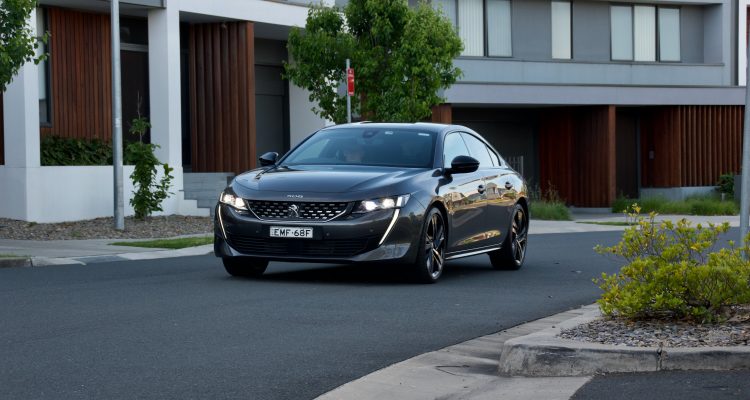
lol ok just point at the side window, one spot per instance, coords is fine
(478, 150)
(453, 147)
(495, 160)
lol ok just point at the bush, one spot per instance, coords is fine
(694, 205)
(548, 206)
(726, 184)
(57, 150)
(148, 193)
(673, 271)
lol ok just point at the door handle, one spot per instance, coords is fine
(508, 185)
(481, 189)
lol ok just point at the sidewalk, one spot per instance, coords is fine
(579, 222)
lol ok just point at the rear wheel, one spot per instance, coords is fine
(431, 256)
(246, 267)
(513, 252)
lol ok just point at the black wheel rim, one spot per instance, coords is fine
(519, 234)
(435, 246)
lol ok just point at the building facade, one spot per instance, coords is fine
(601, 98)
(207, 75)
(592, 98)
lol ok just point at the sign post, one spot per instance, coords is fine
(349, 91)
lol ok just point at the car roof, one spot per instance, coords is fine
(433, 127)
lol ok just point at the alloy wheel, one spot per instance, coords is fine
(519, 233)
(435, 246)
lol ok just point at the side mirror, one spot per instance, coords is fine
(463, 165)
(268, 158)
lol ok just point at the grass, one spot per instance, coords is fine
(549, 210)
(607, 223)
(180, 243)
(3, 255)
(695, 205)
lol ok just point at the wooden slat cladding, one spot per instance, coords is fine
(690, 145)
(577, 155)
(2, 132)
(80, 87)
(222, 97)
(442, 114)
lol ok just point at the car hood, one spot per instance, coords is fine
(324, 179)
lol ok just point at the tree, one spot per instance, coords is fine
(17, 41)
(402, 57)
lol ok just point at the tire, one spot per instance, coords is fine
(245, 267)
(430, 261)
(513, 253)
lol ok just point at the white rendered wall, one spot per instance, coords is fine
(302, 120)
(269, 12)
(58, 194)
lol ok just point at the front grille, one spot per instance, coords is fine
(282, 210)
(299, 247)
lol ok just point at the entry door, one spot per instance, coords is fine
(270, 105)
(627, 155)
(135, 97)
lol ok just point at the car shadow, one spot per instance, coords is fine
(370, 273)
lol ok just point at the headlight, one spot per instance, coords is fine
(233, 201)
(384, 203)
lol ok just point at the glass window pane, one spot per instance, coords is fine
(669, 34)
(644, 33)
(453, 147)
(478, 150)
(622, 32)
(41, 27)
(561, 29)
(499, 28)
(471, 27)
(448, 7)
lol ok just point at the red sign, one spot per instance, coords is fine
(350, 81)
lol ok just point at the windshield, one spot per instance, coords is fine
(392, 147)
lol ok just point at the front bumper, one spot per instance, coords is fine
(343, 240)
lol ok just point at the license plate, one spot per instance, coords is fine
(291, 232)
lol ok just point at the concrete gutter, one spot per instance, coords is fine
(544, 354)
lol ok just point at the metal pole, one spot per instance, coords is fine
(117, 118)
(348, 98)
(745, 195)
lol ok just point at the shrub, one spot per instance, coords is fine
(55, 150)
(673, 271)
(726, 184)
(148, 193)
(548, 206)
(694, 205)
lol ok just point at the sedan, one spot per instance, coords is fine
(412, 194)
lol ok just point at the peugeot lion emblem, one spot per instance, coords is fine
(293, 211)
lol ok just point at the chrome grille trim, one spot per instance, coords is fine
(309, 211)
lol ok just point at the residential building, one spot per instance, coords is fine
(207, 74)
(600, 98)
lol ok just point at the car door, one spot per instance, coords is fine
(501, 185)
(464, 197)
(493, 226)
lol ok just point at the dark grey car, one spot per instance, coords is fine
(413, 194)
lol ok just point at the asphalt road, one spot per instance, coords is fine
(182, 328)
(668, 385)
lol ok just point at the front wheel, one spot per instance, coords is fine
(513, 252)
(245, 267)
(431, 256)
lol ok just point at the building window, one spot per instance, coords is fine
(471, 26)
(43, 69)
(468, 16)
(561, 30)
(622, 32)
(498, 28)
(635, 33)
(669, 34)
